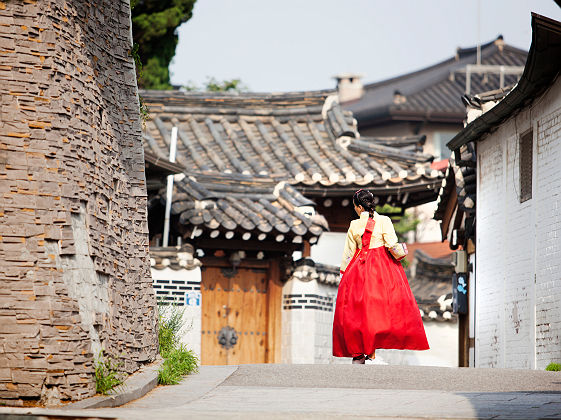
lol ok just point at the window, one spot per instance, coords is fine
(526, 147)
(440, 139)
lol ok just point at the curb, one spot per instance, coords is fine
(135, 386)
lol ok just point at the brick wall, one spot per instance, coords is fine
(517, 312)
(74, 268)
(548, 237)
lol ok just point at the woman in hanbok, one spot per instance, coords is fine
(375, 307)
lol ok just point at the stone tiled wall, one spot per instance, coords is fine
(517, 292)
(74, 267)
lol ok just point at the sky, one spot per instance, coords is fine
(295, 45)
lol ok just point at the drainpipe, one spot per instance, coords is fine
(169, 192)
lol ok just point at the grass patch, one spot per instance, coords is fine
(554, 367)
(108, 374)
(178, 361)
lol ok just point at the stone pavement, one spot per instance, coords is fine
(350, 391)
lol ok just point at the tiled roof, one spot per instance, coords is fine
(307, 269)
(432, 286)
(463, 170)
(304, 138)
(434, 93)
(244, 207)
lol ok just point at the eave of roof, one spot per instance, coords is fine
(162, 165)
(542, 67)
(431, 96)
(244, 207)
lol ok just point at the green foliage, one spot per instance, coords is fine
(178, 363)
(403, 222)
(554, 367)
(233, 85)
(170, 321)
(154, 24)
(108, 374)
(214, 85)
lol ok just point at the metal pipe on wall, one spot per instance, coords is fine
(169, 191)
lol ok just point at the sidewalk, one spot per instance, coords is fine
(350, 391)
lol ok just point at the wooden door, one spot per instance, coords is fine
(234, 302)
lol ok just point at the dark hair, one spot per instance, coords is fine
(365, 199)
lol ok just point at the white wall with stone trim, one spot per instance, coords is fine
(307, 320)
(188, 297)
(518, 277)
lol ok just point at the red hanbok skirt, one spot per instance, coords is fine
(375, 308)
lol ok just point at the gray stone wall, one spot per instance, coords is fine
(74, 267)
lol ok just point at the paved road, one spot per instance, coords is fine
(350, 391)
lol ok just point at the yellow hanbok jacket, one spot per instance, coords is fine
(383, 235)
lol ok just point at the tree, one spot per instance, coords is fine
(214, 85)
(154, 24)
(403, 222)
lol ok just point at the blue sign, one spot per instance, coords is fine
(193, 298)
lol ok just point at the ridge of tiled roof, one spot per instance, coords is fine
(176, 258)
(304, 138)
(434, 92)
(242, 207)
(306, 269)
(229, 103)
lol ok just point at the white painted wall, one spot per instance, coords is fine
(329, 249)
(191, 333)
(518, 276)
(443, 342)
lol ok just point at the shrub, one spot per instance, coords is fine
(555, 367)
(108, 374)
(170, 321)
(178, 363)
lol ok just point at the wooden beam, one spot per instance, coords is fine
(307, 251)
(223, 262)
(450, 206)
(206, 243)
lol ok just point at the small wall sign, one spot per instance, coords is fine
(193, 298)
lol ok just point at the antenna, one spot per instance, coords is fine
(478, 32)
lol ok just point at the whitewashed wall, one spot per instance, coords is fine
(443, 342)
(329, 249)
(185, 285)
(518, 276)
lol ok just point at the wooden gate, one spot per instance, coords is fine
(240, 316)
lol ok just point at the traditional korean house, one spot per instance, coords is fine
(428, 102)
(264, 176)
(504, 174)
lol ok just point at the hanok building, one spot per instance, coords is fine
(428, 102)
(265, 176)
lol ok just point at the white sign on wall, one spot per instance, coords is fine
(193, 298)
